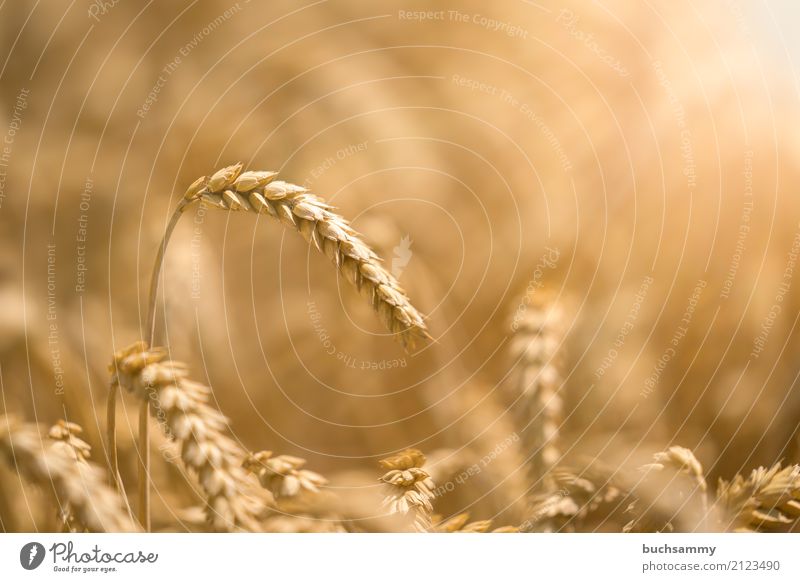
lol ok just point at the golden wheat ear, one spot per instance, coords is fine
(670, 494)
(181, 408)
(283, 475)
(409, 489)
(579, 497)
(61, 467)
(535, 387)
(259, 192)
(766, 500)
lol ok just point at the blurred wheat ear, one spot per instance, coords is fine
(766, 500)
(283, 475)
(535, 386)
(670, 495)
(86, 503)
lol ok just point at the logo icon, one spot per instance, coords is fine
(402, 255)
(31, 555)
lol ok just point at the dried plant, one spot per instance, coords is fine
(670, 495)
(256, 191)
(78, 485)
(283, 475)
(64, 435)
(181, 408)
(535, 385)
(767, 500)
(409, 488)
(296, 207)
(577, 498)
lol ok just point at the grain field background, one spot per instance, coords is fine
(527, 261)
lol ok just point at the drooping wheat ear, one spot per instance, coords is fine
(575, 500)
(535, 384)
(255, 191)
(768, 500)
(409, 488)
(283, 475)
(76, 484)
(671, 494)
(258, 192)
(181, 407)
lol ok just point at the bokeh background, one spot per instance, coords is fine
(636, 160)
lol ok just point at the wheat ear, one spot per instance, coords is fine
(181, 408)
(58, 467)
(535, 384)
(283, 475)
(576, 498)
(409, 488)
(65, 436)
(296, 207)
(767, 500)
(672, 482)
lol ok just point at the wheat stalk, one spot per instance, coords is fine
(256, 191)
(62, 469)
(767, 500)
(408, 488)
(181, 407)
(535, 383)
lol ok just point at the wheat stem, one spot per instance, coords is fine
(144, 465)
(111, 433)
(156, 275)
(144, 414)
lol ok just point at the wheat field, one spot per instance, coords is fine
(399, 267)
